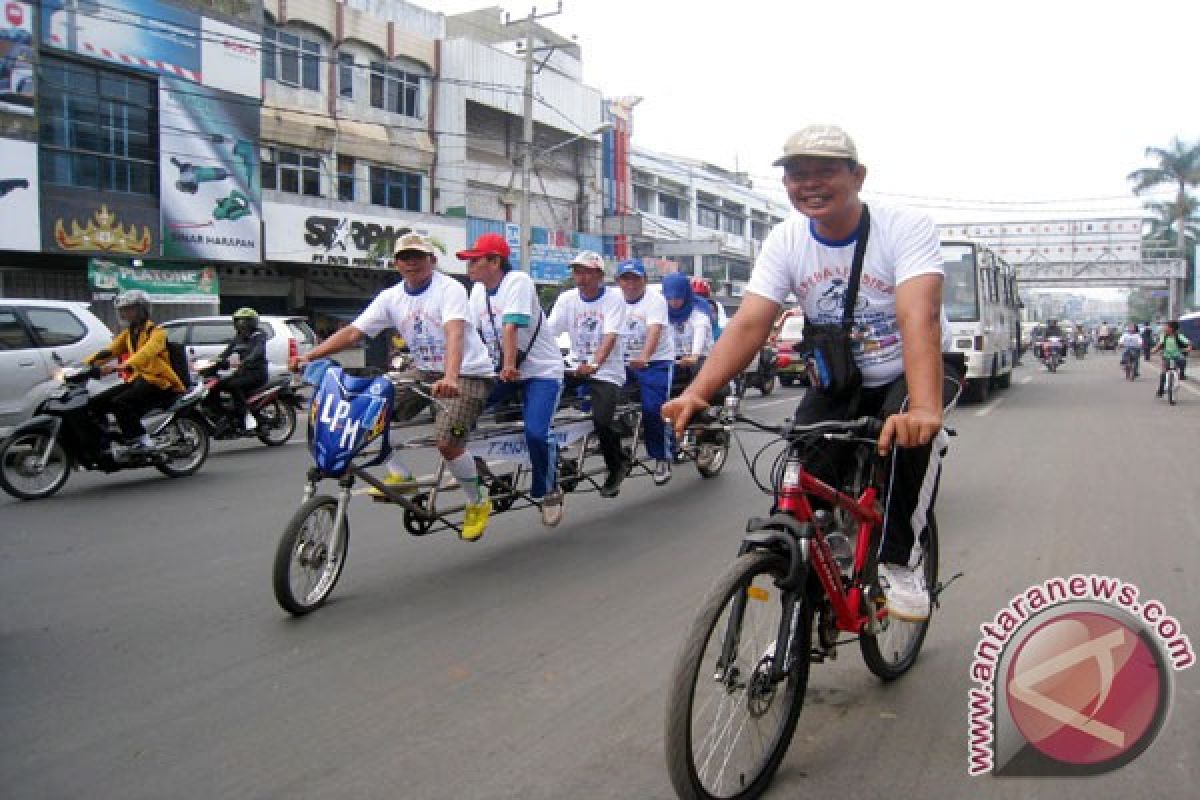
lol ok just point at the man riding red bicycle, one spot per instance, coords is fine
(893, 328)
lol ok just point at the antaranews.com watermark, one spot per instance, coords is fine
(1073, 677)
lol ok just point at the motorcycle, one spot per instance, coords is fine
(1080, 348)
(761, 374)
(36, 460)
(1052, 353)
(272, 408)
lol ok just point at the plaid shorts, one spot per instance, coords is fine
(455, 420)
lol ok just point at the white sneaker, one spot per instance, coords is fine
(251, 422)
(662, 472)
(907, 596)
(552, 508)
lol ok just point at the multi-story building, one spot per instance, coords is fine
(349, 149)
(699, 218)
(130, 146)
(480, 138)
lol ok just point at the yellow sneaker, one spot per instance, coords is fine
(406, 484)
(476, 519)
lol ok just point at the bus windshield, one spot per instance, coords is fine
(960, 293)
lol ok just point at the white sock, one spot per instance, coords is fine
(396, 465)
(144, 440)
(463, 468)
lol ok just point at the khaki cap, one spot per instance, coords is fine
(415, 241)
(818, 141)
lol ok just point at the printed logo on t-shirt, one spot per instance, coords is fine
(875, 331)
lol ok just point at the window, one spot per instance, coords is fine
(13, 335)
(346, 75)
(669, 207)
(55, 327)
(643, 199)
(345, 178)
(733, 224)
(395, 90)
(99, 129)
(759, 230)
(291, 59)
(708, 218)
(212, 333)
(395, 189)
(292, 172)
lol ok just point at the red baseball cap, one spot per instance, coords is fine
(489, 244)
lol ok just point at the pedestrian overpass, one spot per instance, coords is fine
(1077, 253)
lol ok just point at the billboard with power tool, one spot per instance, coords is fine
(208, 167)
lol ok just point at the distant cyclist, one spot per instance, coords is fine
(1131, 347)
(1174, 346)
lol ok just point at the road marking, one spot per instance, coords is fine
(1027, 379)
(983, 412)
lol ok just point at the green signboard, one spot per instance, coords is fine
(163, 284)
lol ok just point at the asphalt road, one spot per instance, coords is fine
(142, 654)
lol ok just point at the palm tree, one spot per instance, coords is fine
(1163, 225)
(1179, 165)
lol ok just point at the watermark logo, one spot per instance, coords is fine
(1074, 677)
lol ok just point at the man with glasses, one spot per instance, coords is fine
(899, 340)
(430, 310)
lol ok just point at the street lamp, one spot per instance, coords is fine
(526, 165)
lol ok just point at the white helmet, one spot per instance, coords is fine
(132, 297)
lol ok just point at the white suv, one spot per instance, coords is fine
(206, 337)
(31, 333)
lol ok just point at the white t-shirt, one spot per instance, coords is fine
(1130, 340)
(515, 300)
(650, 309)
(901, 245)
(420, 318)
(693, 336)
(587, 322)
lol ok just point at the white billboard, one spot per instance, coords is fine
(21, 229)
(343, 238)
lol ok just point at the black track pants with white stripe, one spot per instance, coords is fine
(913, 484)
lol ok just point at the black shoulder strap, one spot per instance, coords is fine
(860, 252)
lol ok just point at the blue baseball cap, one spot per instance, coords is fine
(632, 266)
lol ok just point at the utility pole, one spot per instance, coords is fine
(525, 220)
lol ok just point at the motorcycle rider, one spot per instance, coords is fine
(141, 353)
(1053, 329)
(250, 345)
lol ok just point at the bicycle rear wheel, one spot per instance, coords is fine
(893, 650)
(728, 726)
(1171, 378)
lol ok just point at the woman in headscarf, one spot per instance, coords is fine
(690, 324)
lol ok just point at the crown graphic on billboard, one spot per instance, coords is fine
(103, 232)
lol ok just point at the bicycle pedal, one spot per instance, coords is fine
(816, 656)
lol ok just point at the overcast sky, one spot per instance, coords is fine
(976, 108)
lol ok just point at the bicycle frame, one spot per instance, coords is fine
(797, 486)
(796, 514)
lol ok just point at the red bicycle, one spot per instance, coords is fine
(804, 579)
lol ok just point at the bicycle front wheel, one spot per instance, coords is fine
(310, 556)
(728, 724)
(1171, 378)
(893, 650)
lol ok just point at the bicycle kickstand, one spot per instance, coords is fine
(936, 594)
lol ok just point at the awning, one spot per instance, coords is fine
(398, 145)
(308, 131)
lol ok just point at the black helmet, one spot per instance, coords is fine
(245, 320)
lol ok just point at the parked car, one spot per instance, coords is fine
(206, 337)
(788, 333)
(31, 333)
